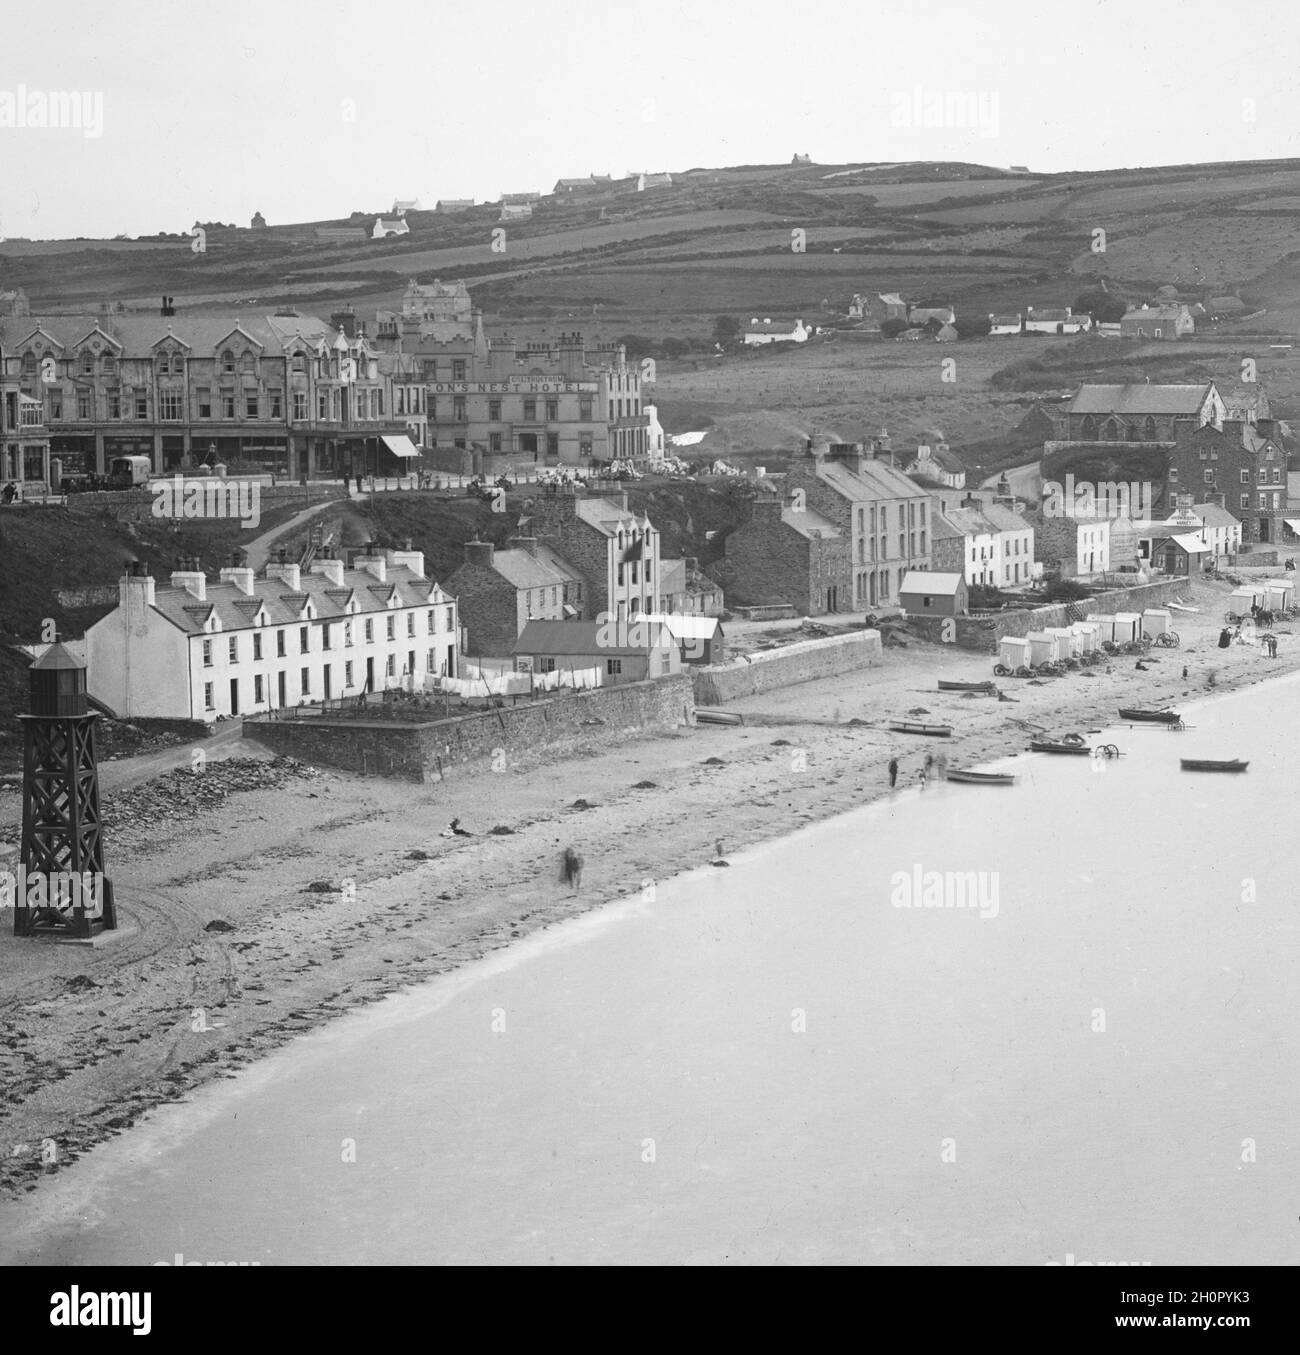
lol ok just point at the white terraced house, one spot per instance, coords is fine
(238, 645)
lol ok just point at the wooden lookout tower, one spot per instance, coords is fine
(64, 890)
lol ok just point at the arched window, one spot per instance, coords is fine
(248, 364)
(87, 362)
(299, 363)
(1149, 429)
(163, 367)
(178, 364)
(1089, 428)
(227, 361)
(110, 365)
(29, 365)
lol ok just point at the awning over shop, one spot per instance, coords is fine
(401, 445)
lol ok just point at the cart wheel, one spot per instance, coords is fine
(1111, 750)
(1001, 670)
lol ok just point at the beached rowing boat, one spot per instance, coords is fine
(1053, 746)
(1160, 717)
(945, 686)
(1205, 764)
(982, 778)
(911, 727)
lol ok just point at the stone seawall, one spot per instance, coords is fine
(984, 634)
(487, 741)
(804, 661)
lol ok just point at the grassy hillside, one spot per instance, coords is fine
(666, 260)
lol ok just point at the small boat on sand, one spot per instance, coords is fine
(1059, 746)
(946, 686)
(982, 778)
(1160, 717)
(912, 727)
(1205, 764)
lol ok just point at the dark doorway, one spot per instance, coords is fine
(283, 691)
(328, 693)
(234, 696)
(528, 444)
(370, 674)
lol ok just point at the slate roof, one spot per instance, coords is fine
(1139, 398)
(137, 335)
(523, 570)
(772, 327)
(607, 516)
(1054, 315)
(876, 480)
(806, 522)
(237, 610)
(928, 581)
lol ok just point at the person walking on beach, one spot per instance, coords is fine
(571, 869)
(893, 772)
(929, 765)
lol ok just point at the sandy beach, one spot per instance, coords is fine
(92, 1038)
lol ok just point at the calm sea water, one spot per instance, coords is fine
(774, 1063)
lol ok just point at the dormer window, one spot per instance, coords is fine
(163, 367)
(299, 363)
(110, 365)
(228, 362)
(248, 364)
(87, 362)
(29, 365)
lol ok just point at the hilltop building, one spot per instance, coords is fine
(258, 222)
(446, 205)
(384, 227)
(403, 205)
(1157, 322)
(237, 645)
(781, 331)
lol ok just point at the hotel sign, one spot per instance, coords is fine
(520, 387)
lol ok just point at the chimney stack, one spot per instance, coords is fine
(288, 574)
(135, 589)
(190, 577)
(479, 552)
(330, 568)
(524, 543)
(240, 576)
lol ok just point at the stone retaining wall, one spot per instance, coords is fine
(803, 661)
(487, 741)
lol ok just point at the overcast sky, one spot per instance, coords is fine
(305, 111)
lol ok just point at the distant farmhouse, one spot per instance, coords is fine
(446, 205)
(1157, 322)
(593, 183)
(801, 159)
(1052, 320)
(1006, 324)
(516, 211)
(644, 181)
(778, 331)
(385, 227)
(922, 315)
(403, 205)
